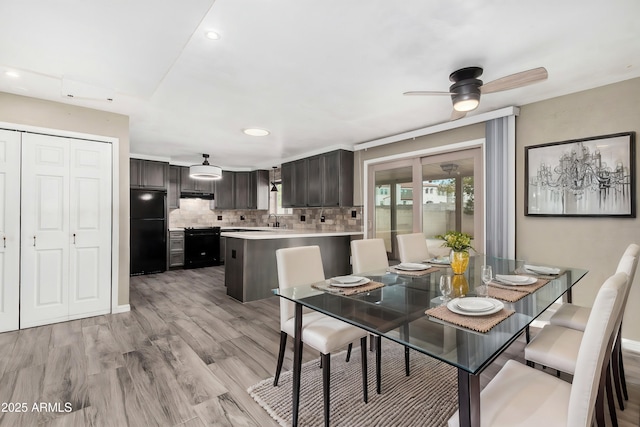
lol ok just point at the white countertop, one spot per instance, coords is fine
(286, 234)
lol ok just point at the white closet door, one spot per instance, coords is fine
(90, 227)
(45, 230)
(9, 230)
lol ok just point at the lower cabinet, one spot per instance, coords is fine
(176, 249)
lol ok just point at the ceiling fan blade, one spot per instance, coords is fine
(426, 92)
(515, 80)
(455, 115)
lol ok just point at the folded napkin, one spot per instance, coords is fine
(539, 269)
(511, 278)
(415, 273)
(522, 288)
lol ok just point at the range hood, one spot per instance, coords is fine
(196, 195)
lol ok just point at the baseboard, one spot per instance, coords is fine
(631, 345)
(121, 309)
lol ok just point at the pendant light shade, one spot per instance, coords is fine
(205, 171)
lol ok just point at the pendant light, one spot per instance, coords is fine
(273, 183)
(205, 171)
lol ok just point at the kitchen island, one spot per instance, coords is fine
(250, 258)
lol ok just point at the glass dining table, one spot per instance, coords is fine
(396, 311)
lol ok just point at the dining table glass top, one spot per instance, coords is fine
(397, 310)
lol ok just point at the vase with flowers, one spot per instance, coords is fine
(459, 243)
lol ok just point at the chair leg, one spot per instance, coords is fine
(372, 342)
(365, 380)
(283, 347)
(378, 362)
(326, 375)
(349, 351)
(610, 402)
(615, 367)
(622, 380)
(617, 358)
(527, 334)
(407, 369)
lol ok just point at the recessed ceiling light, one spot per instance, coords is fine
(256, 132)
(13, 74)
(212, 35)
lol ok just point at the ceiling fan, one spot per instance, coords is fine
(467, 87)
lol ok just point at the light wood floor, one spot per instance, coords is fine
(184, 355)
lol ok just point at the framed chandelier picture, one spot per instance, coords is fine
(590, 177)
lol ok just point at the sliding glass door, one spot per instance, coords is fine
(431, 194)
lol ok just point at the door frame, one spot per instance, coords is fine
(404, 159)
(115, 196)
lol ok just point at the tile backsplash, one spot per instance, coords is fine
(196, 213)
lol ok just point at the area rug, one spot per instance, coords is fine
(428, 397)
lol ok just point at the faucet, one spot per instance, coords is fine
(275, 224)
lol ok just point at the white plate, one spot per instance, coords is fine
(362, 281)
(411, 266)
(475, 304)
(348, 279)
(513, 280)
(453, 306)
(441, 261)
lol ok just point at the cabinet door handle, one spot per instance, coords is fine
(4, 240)
(74, 238)
(34, 241)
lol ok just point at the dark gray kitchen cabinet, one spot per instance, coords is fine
(286, 176)
(173, 193)
(241, 189)
(337, 174)
(148, 174)
(191, 185)
(225, 191)
(314, 181)
(299, 184)
(259, 190)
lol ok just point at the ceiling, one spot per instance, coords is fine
(317, 74)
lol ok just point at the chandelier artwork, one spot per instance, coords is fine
(586, 177)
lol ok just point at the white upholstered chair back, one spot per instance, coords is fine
(632, 250)
(368, 255)
(594, 349)
(412, 247)
(297, 266)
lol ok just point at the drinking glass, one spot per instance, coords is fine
(486, 274)
(445, 287)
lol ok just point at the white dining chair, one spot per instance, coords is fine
(299, 266)
(523, 396)
(412, 247)
(371, 255)
(557, 347)
(575, 317)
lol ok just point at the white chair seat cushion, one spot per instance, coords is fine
(324, 333)
(571, 316)
(522, 396)
(555, 347)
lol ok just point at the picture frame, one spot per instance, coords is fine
(588, 177)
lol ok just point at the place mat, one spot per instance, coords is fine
(414, 273)
(327, 287)
(523, 288)
(509, 295)
(475, 323)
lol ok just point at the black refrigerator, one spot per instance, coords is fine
(148, 245)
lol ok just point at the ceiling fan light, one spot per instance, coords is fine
(466, 104)
(205, 171)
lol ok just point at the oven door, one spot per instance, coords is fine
(201, 249)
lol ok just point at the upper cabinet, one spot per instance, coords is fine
(173, 194)
(190, 185)
(243, 190)
(148, 174)
(320, 181)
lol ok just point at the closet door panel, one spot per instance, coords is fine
(9, 230)
(45, 230)
(90, 227)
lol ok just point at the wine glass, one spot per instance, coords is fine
(445, 287)
(486, 274)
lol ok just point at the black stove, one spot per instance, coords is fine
(201, 247)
